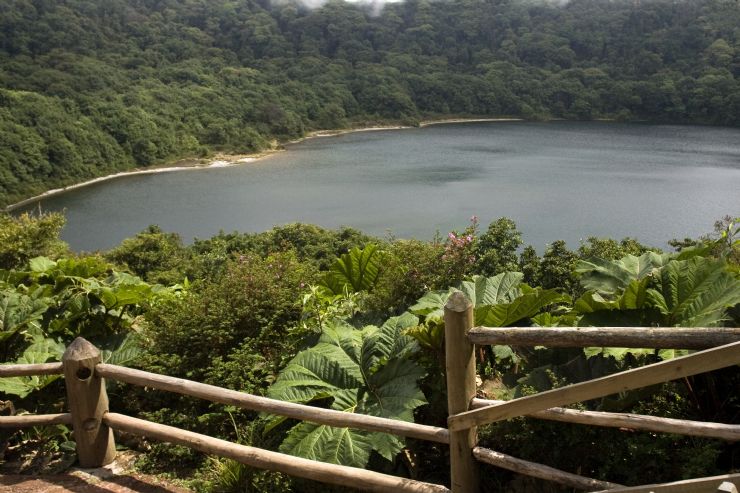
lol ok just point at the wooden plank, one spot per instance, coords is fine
(460, 369)
(272, 406)
(548, 473)
(26, 420)
(633, 337)
(30, 370)
(631, 421)
(698, 485)
(273, 461)
(703, 361)
(87, 402)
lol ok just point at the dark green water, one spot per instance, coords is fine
(558, 180)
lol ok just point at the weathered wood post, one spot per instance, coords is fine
(460, 365)
(88, 401)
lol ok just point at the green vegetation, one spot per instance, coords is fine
(90, 88)
(367, 371)
(340, 320)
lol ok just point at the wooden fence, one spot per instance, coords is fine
(94, 424)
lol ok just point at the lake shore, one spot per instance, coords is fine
(227, 160)
(217, 161)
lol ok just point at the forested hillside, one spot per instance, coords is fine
(88, 87)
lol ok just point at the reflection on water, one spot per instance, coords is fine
(557, 180)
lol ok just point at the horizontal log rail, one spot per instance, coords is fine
(700, 362)
(698, 485)
(272, 406)
(30, 370)
(533, 469)
(273, 461)
(634, 337)
(632, 421)
(26, 420)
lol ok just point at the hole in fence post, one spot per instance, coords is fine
(88, 402)
(84, 373)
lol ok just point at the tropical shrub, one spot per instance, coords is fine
(154, 255)
(366, 371)
(27, 236)
(496, 249)
(411, 268)
(253, 304)
(44, 308)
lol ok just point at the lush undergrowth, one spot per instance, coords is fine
(342, 320)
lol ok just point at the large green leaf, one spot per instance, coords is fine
(485, 293)
(548, 319)
(365, 371)
(357, 270)
(431, 305)
(629, 309)
(41, 264)
(121, 349)
(328, 444)
(18, 312)
(611, 276)
(633, 297)
(501, 288)
(695, 292)
(523, 307)
(39, 352)
(391, 340)
(498, 301)
(319, 371)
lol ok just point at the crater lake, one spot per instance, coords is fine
(556, 180)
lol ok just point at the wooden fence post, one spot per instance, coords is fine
(88, 402)
(460, 365)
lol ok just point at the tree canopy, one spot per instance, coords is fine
(89, 88)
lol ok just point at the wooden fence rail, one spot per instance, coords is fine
(631, 421)
(635, 337)
(727, 483)
(272, 406)
(542, 405)
(30, 370)
(665, 371)
(265, 459)
(539, 471)
(93, 423)
(28, 420)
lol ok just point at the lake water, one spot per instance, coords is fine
(557, 180)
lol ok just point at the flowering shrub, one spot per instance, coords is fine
(459, 257)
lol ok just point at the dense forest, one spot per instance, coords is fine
(283, 314)
(92, 87)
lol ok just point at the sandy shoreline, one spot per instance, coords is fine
(218, 161)
(227, 160)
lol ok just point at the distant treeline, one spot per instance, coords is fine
(90, 87)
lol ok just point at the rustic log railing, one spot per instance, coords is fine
(93, 423)
(543, 405)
